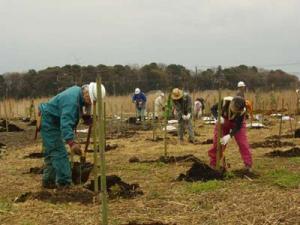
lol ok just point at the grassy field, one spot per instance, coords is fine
(262, 101)
(271, 198)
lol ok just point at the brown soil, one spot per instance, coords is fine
(36, 170)
(271, 144)
(287, 136)
(200, 172)
(293, 152)
(74, 194)
(11, 127)
(108, 147)
(34, 155)
(167, 159)
(118, 188)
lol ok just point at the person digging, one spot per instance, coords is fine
(58, 120)
(139, 99)
(183, 107)
(233, 124)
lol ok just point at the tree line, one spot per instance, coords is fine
(120, 80)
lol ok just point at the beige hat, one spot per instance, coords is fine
(176, 94)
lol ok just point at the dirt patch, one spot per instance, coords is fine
(148, 223)
(35, 170)
(108, 147)
(242, 173)
(207, 142)
(157, 139)
(34, 155)
(293, 152)
(118, 188)
(11, 127)
(297, 133)
(118, 135)
(18, 139)
(81, 172)
(271, 144)
(167, 159)
(201, 172)
(287, 136)
(74, 194)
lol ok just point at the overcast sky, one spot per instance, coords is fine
(41, 33)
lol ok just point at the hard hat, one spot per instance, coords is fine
(137, 91)
(93, 91)
(241, 84)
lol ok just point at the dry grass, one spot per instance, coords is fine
(265, 101)
(234, 201)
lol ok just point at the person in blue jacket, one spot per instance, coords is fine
(59, 118)
(140, 99)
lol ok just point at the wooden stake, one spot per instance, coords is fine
(101, 138)
(95, 141)
(219, 147)
(153, 123)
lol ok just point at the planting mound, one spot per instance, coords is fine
(11, 127)
(81, 172)
(36, 170)
(73, 194)
(124, 134)
(297, 133)
(271, 144)
(167, 159)
(293, 152)
(108, 147)
(207, 142)
(118, 188)
(34, 155)
(200, 172)
(148, 223)
(282, 136)
(157, 139)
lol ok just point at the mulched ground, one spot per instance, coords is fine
(167, 159)
(293, 152)
(201, 172)
(271, 144)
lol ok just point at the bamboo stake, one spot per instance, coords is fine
(219, 147)
(121, 119)
(153, 123)
(95, 141)
(6, 116)
(101, 128)
(280, 128)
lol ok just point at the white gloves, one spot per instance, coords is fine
(221, 120)
(186, 117)
(224, 140)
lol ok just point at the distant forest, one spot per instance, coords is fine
(120, 80)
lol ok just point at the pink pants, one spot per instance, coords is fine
(240, 138)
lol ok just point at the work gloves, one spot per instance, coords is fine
(186, 117)
(75, 148)
(224, 140)
(221, 120)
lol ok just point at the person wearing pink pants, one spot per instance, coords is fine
(232, 125)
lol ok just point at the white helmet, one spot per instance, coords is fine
(241, 84)
(137, 91)
(93, 91)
